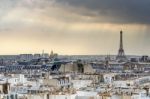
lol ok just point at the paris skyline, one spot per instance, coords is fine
(74, 26)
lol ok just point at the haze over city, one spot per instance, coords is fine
(74, 26)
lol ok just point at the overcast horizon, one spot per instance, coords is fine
(74, 27)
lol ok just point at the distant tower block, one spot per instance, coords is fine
(121, 55)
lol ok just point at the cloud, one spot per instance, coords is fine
(72, 26)
(112, 11)
(101, 11)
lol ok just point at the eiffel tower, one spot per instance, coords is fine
(121, 54)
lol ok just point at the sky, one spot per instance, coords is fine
(74, 27)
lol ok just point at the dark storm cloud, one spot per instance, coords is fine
(116, 11)
(109, 11)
